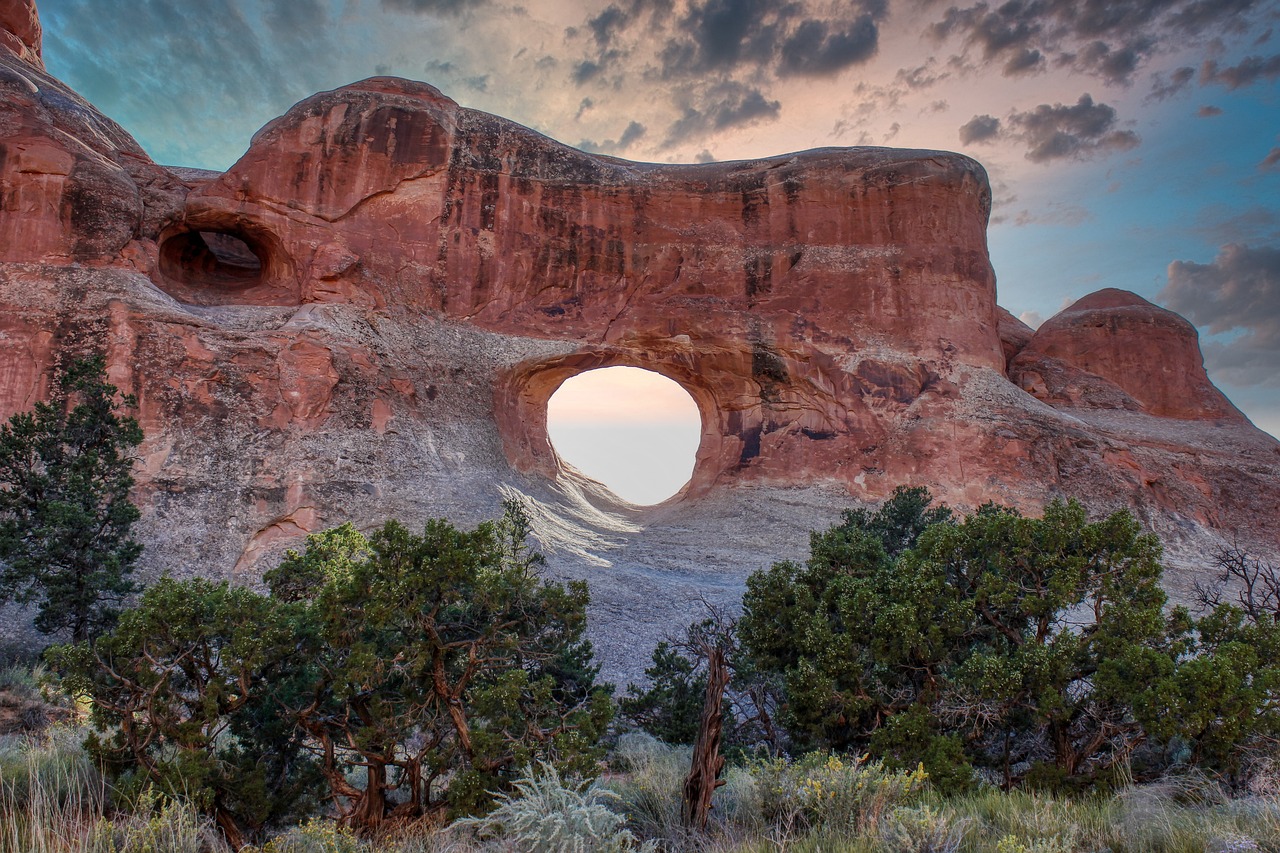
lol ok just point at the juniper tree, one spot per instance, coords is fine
(996, 640)
(65, 516)
(442, 665)
(185, 697)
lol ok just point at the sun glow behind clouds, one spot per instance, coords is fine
(634, 430)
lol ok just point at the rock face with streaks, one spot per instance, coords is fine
(1114, 349)
(366, 315)
(20, 31)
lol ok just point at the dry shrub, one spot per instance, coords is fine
(545, 814)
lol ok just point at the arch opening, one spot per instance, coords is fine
(217, 259)
(634, 430)
(211, 258)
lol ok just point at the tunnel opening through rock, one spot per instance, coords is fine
(221, 259)
(635, 431)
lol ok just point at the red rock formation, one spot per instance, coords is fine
(367, 314)
(453, 210)
(1014, 334)
(749, 282)
(76, 186)
(20, 30)
(1114, 349)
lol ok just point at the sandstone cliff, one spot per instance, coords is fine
(366, 315)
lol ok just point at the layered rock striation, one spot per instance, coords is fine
(366, 315)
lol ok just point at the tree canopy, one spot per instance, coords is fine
(1036, 649)
(66, 521)
(410, 674)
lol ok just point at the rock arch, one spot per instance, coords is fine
(523, 391)
(423, 287)
(215, 259)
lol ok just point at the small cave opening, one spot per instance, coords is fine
(633, 430)
(222, 259)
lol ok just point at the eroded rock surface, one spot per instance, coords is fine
(366, 315)
(20, 30)
(1114, 349)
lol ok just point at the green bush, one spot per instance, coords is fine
(670, 707)
(156, 825)
(410, 674)
(316, 836)
(924, 829)
(439, 663)
(185, 697)
(649, 783)
(830, 793)
(1034, 649)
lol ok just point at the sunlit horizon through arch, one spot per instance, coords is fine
(634, 430)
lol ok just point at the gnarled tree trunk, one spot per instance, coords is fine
(704, 772)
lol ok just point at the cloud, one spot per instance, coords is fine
(1249, 71)
(980, 129)
(1068, 215)
(1198, 15)
(633, 132)
(1239, 292)
(1006, 30)
(1272, 160)
(1032, 318)
(604, 25)
(586, 71)
(1227, 223)
(1024, 61)
(869, 105)
(1178, 80)
(729, 37)
(922, 76)
(1113, 66)
(1078, 131)
(817, 49)
(172, 83)
(1108, 39)
(295, 19)
(720, 107)
(428, 7)
(1209, 111)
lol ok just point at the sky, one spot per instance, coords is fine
(1131, 144)
(634, 430)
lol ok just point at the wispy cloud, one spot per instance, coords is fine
(699, 37)
(434, 7)
(632, 133)
(720, 106)
(1245, 73)
(1163, 88)
(1109, 39)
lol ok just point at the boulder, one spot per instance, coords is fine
(1114, 349)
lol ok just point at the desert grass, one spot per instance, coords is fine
(54, 800)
